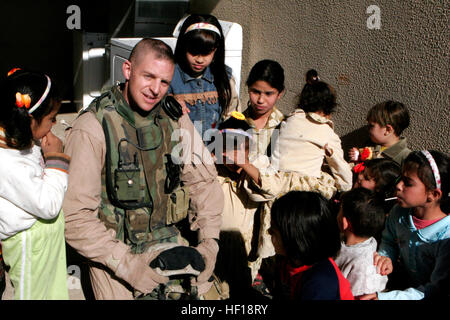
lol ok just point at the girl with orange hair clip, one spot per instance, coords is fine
(34, 173)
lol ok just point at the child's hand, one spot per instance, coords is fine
(328, 150)
(383, 264)
(370, 296)
(353, 154)
(51, 143)
(237, 157)
(184, 108)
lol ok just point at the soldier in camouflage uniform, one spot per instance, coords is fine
(127, 188)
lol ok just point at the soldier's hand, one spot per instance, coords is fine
(135, 269)
(208, 248)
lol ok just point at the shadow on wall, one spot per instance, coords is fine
(358, 138)
(202, 7)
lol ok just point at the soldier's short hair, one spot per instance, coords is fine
(156, 46)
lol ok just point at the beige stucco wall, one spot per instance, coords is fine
(406, 60)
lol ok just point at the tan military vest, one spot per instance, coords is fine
(142, 194)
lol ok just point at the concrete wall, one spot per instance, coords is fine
(405, 60)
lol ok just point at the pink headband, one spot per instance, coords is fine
(203, 26)
(44, 95)
(237, 131)
(434, 168)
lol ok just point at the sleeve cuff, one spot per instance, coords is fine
(58, 161)
(208, 233)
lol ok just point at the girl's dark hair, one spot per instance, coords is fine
(234, 123)
(308, 229)
(364, 209)
(203, 42)
(386, 173)
(317, 95)
(417, 161)
(17, 121)
(234, 139)
(311, 76)
(269, 71)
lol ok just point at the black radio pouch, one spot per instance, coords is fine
(172, 108)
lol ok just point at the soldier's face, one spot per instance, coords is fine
(148, 80)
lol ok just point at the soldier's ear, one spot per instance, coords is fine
(126, 69)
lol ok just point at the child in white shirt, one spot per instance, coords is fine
(361, 217)
(34, 175)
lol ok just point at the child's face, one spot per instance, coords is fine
(199, 62)
(40, 130)
(229, 164)
(377, 133)
(233, 158)
(262, 97)
(276, 240)
(411, 191)
(365, 181)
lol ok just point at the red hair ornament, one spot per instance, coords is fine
(10, 72)
(23, 100)
(359, 168)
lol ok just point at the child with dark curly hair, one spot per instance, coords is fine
(306, 140)
(381, 176)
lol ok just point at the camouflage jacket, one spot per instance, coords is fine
(86, 232)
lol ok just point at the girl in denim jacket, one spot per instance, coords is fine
(202, 83)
